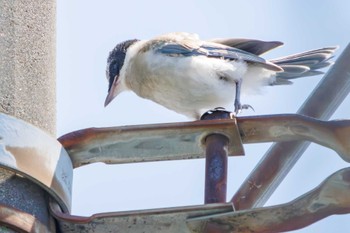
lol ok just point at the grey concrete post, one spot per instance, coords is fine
(27, 61)
(27, 88)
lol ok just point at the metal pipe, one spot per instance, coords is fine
(215, 174)
(216, 156)
(216, 169)
(282, 156)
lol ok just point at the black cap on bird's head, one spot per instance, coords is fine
(115, 63)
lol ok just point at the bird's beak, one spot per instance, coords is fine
(113, 92)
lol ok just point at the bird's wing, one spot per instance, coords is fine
(210, 49)
(256, 47)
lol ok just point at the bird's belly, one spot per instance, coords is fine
(186, 85)
(189, 94)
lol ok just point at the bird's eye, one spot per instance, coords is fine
(113, 69)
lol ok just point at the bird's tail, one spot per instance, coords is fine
(303, 64)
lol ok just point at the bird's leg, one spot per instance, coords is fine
(238, 105)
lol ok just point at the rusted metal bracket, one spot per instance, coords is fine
(330, 197)
(128, 144)
(167, 220)
(332, 134)
(143, 143)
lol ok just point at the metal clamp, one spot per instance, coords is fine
(33, 154)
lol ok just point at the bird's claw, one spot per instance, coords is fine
(239, 107)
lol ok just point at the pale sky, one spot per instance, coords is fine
(88, 30)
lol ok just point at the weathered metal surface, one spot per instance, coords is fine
(13, 220)
(173, 141)
(329, 198)
(33, 154)
(169, 220)
(281, 157)
(290, 127)
(127, 144)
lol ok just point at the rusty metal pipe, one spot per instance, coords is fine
(216, 168)
(216, 154)
(215, 174)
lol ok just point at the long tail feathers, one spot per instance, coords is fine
(303, 64)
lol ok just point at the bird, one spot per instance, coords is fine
(190, 76)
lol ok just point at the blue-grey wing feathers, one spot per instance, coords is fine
(248, 50)
(176, 49)
(256, 47)
(215, 51)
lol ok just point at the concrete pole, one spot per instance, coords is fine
(27, 61)
(28, 89)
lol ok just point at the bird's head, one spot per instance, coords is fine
(115, 63)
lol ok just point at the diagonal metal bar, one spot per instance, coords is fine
(274, 167)
(165, 220)
(329, 198)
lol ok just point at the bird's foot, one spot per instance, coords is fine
(239, 107)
